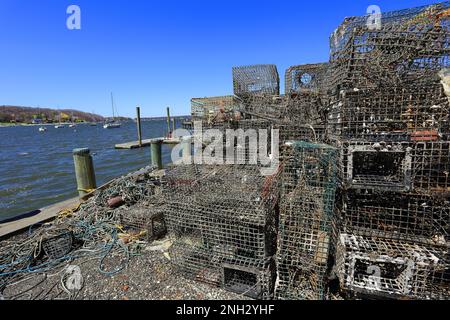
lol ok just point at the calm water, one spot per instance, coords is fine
(36, 169)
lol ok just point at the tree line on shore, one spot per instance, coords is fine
(16, 114)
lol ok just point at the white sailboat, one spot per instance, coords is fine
(72, 122)
(42, 129)
(113, 124)
(59, 125)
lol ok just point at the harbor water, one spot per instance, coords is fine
(36, 168)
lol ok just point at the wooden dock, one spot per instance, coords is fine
(45, 214)
(49, 213)
(145, 143)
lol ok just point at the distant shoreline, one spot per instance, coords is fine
(4, 125)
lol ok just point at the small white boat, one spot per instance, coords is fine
(42, 129)
(72, 125)
(59, 125)
(111, 125)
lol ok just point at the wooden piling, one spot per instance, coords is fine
(84, 171)
(186, 149)
(138, 123)
(168, 122)
(173, 125)
(156, 153)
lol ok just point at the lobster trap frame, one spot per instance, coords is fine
(256, 79)
(207, 108)
(409, 217)
(144, 222)
(309, 77)
(392, 269)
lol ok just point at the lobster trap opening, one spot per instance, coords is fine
(369, 167)
(58, 245)
(242, 281)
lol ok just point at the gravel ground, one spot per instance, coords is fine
(150, 276)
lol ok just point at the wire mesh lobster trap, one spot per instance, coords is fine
(305, 108)
(57, 244)
(291, 131)
(392, 269)
(211, 107)
(409, 217)
(408, 113)
(249, 141)
(420, 167)
(308, 77)
(264, 106)
(249, 277)
(431, 167)
(144, 222)
(377, 166)
(244, 124)
(223, 219)
(386, 80)
(256, 79)
(309, 183)
(405, 45)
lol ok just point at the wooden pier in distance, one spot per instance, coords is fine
(141, 143)
(145, 143)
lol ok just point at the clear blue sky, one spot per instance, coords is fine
(156, 53)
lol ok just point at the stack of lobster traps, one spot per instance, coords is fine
(222, 220)
(389, 116)
(364, 189)
(307, 216)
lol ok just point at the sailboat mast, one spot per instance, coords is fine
(112, 104)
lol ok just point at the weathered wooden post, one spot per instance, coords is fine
(173, 126)
(168, 122)
(156, 150)
(138, 123)
(84, 171)
(186, 149)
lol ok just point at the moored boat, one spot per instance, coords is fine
(111, 125)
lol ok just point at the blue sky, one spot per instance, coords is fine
(156, 53)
